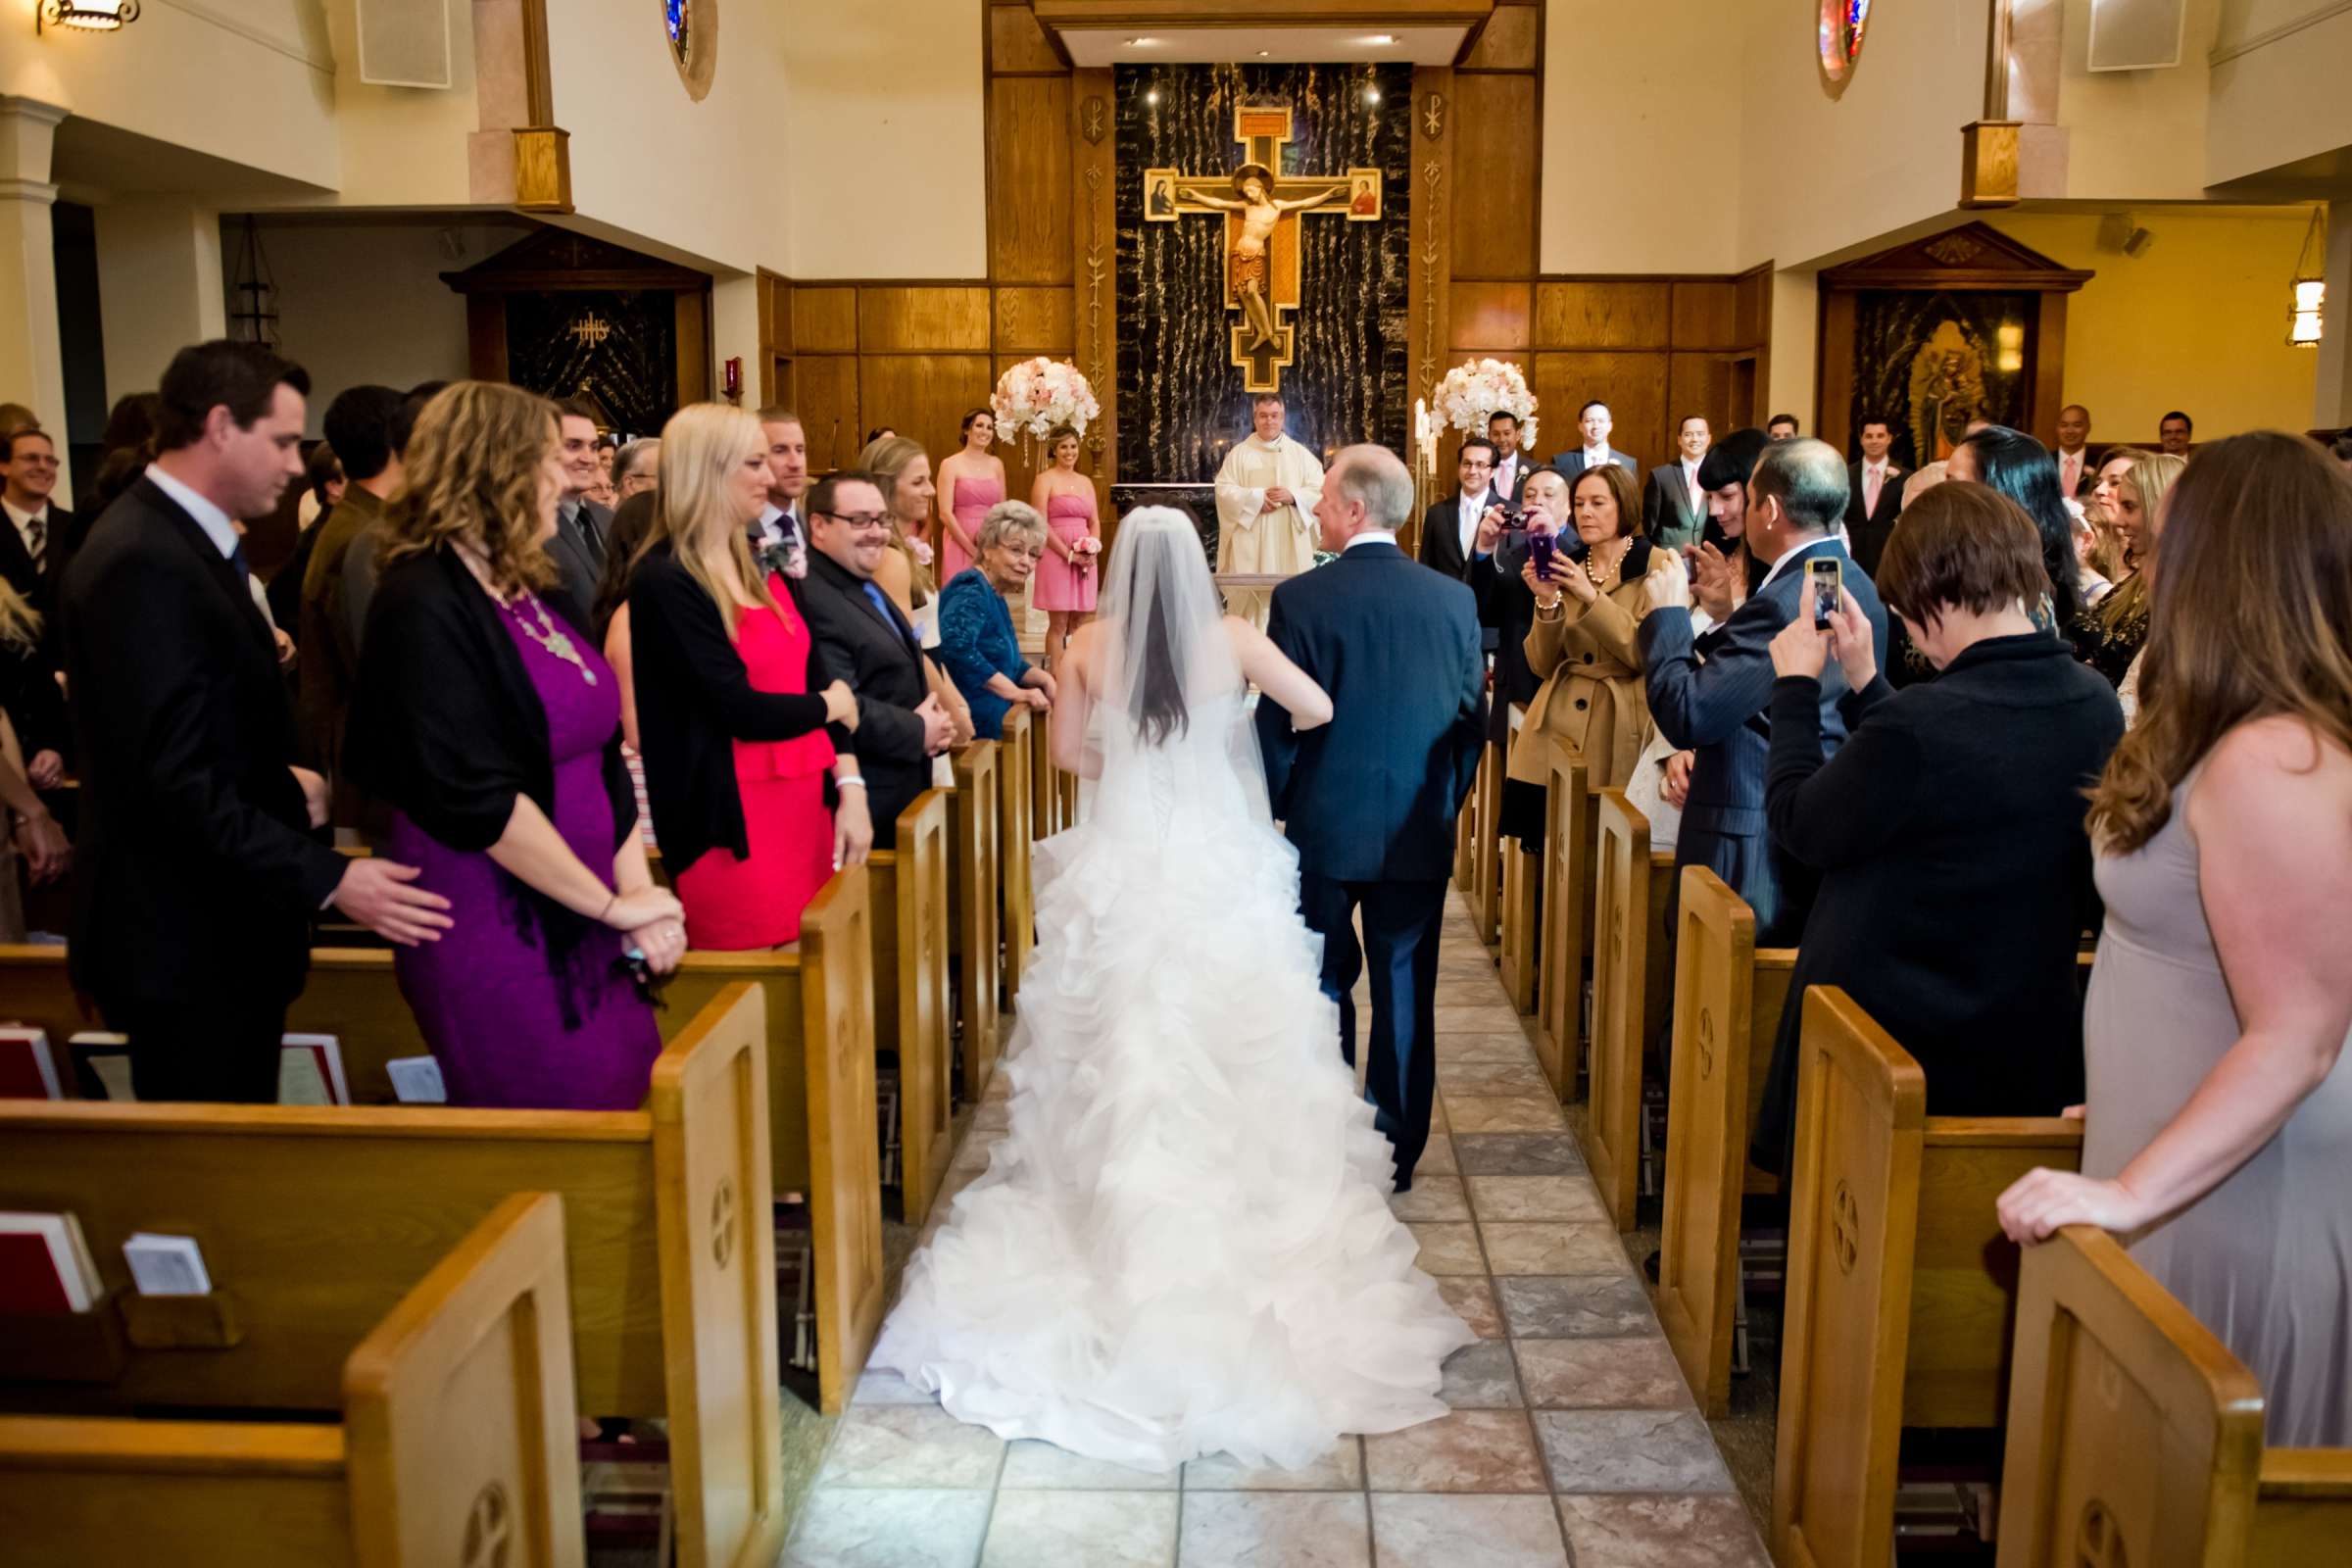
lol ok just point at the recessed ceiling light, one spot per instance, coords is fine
(1371, 95)
(1140, 43)
(1262, 53)
(1382, 37)
(1153, 96)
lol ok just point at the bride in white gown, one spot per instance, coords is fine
(1183, 1245)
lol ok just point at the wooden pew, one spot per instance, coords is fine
(1629, 995)
(1727, 1000)
(1485, 847)
(821, 1036)
(1045, 789)
(1522, 876)
(458, 1443)
(1016, 907)
(972, 938)
(909, 887)
(1568, 849)
(317, 1220)
(1902, 1288)
(2133, 1428)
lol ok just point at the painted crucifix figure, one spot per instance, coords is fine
(1261, 208)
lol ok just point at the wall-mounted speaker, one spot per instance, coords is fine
(2137, 35)
(404, 43)
(2121, 232)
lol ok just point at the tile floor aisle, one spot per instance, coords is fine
(1573, 1440)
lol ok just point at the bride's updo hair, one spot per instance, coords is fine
(1158, 546)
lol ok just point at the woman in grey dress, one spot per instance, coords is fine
(2219, 1140)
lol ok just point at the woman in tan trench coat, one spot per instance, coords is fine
(1585, 645)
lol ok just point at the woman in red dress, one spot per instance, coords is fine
(754, 802)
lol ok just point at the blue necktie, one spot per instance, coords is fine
(236, 559)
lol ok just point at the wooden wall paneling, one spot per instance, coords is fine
(774, 383)
(1029, 167)
(1751, 317)
(1016, 44)
(826, 397)
(1591, 313)
(486, 336)
(903, 317)
(922, 396)
(1036, 321)
(1495, 130)
(1833, 374)
(2046, 392)
(1633, 384)
(1091, 253)
(1428, 333)
(1698, 383)
(1706, 316)
(696, 383)
(1507, 43)
(825, 320)
(1492, 318)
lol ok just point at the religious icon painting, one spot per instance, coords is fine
(1841, 25)
(1363, 195)
(1160, 195)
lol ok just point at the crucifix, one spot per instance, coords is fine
(1260, 207)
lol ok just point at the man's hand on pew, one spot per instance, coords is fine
(47, 852)
(47, 770)
(2043, 1200)
(376, 893)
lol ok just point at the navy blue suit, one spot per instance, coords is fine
(1370, 799)
(1718, 709)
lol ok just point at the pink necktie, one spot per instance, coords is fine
(1870, 489)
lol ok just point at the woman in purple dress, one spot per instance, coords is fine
(487, 718)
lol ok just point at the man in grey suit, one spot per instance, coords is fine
(1711, 694)
(1595, 421)
(578, 547)
(1674, 508)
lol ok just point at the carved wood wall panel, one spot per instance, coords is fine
(1029, 160)
(1495, 132)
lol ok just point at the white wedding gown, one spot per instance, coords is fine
(1183, 1245)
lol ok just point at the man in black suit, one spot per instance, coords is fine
(1874, 494)
(33, 551)
(1781, 427)
(198, 877)
(782, 526)
(1711, 694)
(1595, 421)
(1674, 508)
(578, 547)
(1505, 606)
(1370, 799)
(1449, 529)
(1511, 466)
(866, 642)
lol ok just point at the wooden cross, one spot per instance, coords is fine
(1261, 251)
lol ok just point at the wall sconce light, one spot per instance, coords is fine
(87, 16)
(2308, 319)
(2009, 347)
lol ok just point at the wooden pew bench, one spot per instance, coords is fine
(1567, 923)
(973, 935)
(458, 1443)
(820, 1032)
(318, 1219)
(1045, 780)
(912, 999)
(1901, 1290)
(1629, 995)
(1016, 903)
(1727, 1000)
(1485, 847)
(2133, 1431)
(1521, 885)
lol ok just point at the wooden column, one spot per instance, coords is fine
(1094, 246)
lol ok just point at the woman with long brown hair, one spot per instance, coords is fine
(2219, 1105)
(971, 480)
(902, 469)
(2108, 635)
(1064, 586)
(488, 721)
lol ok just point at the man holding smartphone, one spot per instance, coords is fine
(1709, 693)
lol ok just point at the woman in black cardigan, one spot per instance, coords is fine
(1949, 827)
(756, 794)
(486, 719)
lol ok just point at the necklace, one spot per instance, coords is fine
(1601, 578)
(547, 635)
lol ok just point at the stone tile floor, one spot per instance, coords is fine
(1573, 1443)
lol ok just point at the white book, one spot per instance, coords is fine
(416, 1081)
(166, 1266)
(309, 1071)
(108, 1057)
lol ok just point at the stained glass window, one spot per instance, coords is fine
(1843, 22)
(677, 16)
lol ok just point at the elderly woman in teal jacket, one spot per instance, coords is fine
(978, 644)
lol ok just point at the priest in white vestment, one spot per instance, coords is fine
(1266, 495)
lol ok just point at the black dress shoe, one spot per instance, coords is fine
(1404, 1183)
(1649, 1266)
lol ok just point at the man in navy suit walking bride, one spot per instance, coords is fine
(1369, 800)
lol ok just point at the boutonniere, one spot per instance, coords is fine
(784, 558)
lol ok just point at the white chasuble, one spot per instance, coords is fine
(1257, 538)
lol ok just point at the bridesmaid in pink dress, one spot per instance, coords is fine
(1064, 584)
(971, 479)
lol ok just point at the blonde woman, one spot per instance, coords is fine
(901, 471)
(2108, 635)
(488, 721)
(1064, 586)
(753, 804)
(971, 480)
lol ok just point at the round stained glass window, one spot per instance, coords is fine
(677, 16)
(1843, 22)
(692, 26)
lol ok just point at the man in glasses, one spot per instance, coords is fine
(866, 642)
(34, 553)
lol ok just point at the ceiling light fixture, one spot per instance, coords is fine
(87, 16)
(2307, 319)
(1140, 43)
(1382, 38)
(1371, 95)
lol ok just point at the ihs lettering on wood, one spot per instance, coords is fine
(1261, 206)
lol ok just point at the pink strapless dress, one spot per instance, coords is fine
(1058, 586)
(972, 498)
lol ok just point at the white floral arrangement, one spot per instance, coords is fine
(1475, 392)
(1036, 396)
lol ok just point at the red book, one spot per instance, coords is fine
(44, 1267)
(27, 1069)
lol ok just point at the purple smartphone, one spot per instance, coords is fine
(1540, 547)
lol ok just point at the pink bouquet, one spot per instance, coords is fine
(1472, 393)
(1036, 396)
(1083, 553)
